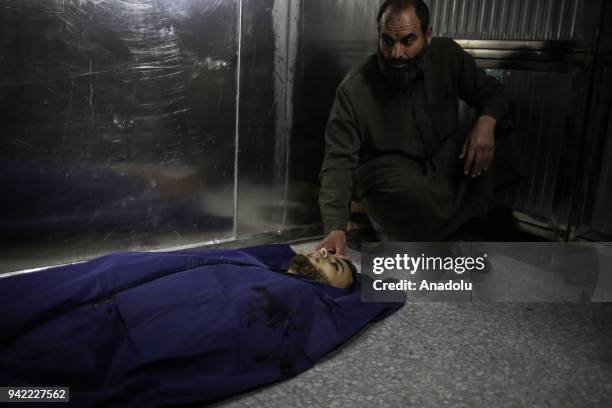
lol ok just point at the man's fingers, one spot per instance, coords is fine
(478, 147)
(340, 245)
(469, 161)
(486, 161)
(334, 242)
(485, 164)
(478, 164)
(325, 243)
(478, 168)
(481, 160)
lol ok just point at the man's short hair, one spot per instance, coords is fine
(422, 11)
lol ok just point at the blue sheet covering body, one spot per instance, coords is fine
(152, 329)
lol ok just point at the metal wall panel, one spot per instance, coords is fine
(574, 21)
(594, 199)
(117, 127)
(528, 20)
(549, 109)
(334, 35)
(549, 103)
(268, 42)
(594, 202)
(339, 20)
(602, 211)
(257, 170)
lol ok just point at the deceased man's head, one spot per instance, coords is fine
(323, 266)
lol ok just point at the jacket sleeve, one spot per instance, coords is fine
(342, 143)
(484, 93)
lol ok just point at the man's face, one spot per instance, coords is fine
(322, 266)
(401, 45)
(336, 270)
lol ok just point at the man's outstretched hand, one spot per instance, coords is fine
(335, 241)
(479, 147)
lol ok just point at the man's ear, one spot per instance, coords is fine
(429, 35)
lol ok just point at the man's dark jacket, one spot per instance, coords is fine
(372, 123)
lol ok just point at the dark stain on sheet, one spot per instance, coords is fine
(268, 310)
(267, 307)
(287, 367)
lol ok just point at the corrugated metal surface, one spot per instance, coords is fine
(595, 202)
(596, 195)
(334, 36)
(543, 123)
(537, 20)
(602, 214)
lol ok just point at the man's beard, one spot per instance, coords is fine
(402, 78)
(302, 266)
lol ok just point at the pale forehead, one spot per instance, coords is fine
(400, 22)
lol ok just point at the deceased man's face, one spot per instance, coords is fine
(322, 266)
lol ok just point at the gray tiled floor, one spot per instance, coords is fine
(461, 355)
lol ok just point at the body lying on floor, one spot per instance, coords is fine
(152, 329)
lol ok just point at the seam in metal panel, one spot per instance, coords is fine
(286, 118)
(291, 32)
(462, 27)
(548, 23)
(237, 127)
(572, 31)
(561, 14)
